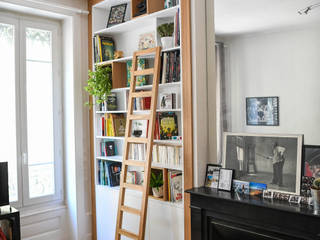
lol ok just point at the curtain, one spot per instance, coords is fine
(222, 122)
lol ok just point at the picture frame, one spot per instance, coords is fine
(117, 14)
(272, 159)
(146, 41)
(267, 194)
(311, 161)
(241, 187)
(225, 179)
(212, 175)
(262, 111)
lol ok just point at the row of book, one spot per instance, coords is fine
(112, 125)
(169, 155)
(109, 173)
(107, 148)
(103, 48)
(170, 71)
(110, 104)
(176, 36)
(175, 186)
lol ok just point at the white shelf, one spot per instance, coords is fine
(139, 111)
(105, 137)
(116, 158)
(137, 22)
(125, 59)
(103, 112)
(147, 87)
(169, 142)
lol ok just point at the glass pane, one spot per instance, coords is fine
(38, 43)
(8, 149)
(41, 180)
(40, 118)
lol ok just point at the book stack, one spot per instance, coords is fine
(109, 173)
(112, 125)
(168, 101)
(107, 148)
(174, 186)
(170, 71)
(141, 104)
(167, 155)
(103, 48)
(137, 152)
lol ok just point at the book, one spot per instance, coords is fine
(141, 80)
(168, 125)
(164, 67)
(167, 100)
(103, 48)
(175, 186)
(110, 148)
(112, 102)
(114, 171)
(119, 125)
(109, 125)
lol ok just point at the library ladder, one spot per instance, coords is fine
(148, 141)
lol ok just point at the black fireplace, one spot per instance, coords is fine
(219, 215)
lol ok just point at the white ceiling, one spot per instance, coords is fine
(234, 17)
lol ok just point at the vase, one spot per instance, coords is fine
(316, 199)
(157, 192)
(167, 42)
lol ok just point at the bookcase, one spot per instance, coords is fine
(165, 218)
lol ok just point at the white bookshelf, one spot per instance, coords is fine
(126, 37)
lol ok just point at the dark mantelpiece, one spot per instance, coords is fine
(219, 215)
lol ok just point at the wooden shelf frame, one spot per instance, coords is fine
(185, 11)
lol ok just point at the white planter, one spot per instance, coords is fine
(167, 42)
(157, 192)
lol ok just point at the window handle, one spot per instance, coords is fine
(25, 158)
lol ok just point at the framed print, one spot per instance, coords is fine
(271, 159)
(311, 161)
(262, 111)
(147, 40)
(117, 14)
(257, 189)
(212, 175)
(241, 187)
(225, 179)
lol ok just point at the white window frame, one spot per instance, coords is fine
(21, 23)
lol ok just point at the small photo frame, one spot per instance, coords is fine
(241, 187)
(295, 199)
(146, 41)
(225, 179)
(268, 194)
(212, 175)
(262, 111)
(117, 14)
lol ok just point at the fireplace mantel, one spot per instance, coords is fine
(220, 215)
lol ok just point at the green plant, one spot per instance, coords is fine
(316, 184)
(166, 30)
(156, 180)
(99, 83)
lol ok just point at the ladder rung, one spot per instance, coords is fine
(128, 234)
(146, 51)
(135, 163)
(137, 140)
(133, 186)
(141, 94)
(130, 210)
(148, 71)
(139, 116)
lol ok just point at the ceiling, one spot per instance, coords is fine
(233, 17)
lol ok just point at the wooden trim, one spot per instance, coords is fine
(187, 110)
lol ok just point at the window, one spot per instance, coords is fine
(31, 126)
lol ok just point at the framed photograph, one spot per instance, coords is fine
(212, 175)
(147, 40)
(117, 14)
(225, 179)
(271, 159)
(295, 199)
(241, 187)
(262, 111)
(311, 161)
(267, 194)
(256, 189)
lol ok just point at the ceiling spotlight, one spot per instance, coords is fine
(308, 9)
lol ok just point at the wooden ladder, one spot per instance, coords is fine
(144, 188)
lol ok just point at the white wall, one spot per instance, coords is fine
(284, 64)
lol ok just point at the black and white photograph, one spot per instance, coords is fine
(267, 194)
(311, 161)
(225, 179)
(212, 175)
(117, 14)
(262, 111)
(271, 159)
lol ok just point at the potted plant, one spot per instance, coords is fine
(99, 83)
(315, 192)
(166, 31)
(156, 183)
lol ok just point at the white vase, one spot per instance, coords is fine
(167, 42)
(316, 199)
(157, 192)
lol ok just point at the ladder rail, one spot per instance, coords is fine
(130, 140)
